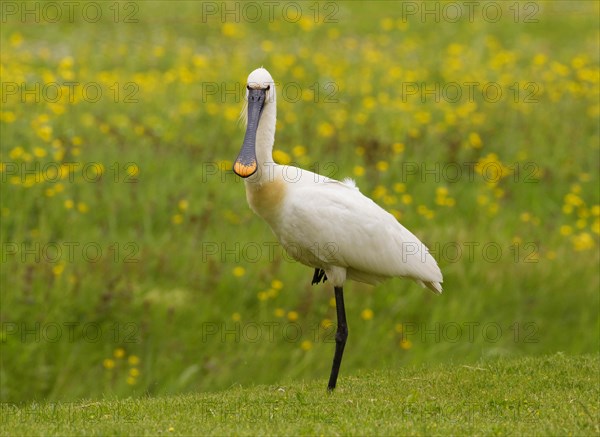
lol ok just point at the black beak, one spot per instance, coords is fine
(245, 165)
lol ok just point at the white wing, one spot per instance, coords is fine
(332, 224)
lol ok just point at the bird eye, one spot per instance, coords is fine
(250, 89)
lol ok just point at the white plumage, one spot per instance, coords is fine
(323, 223)
(328, 224)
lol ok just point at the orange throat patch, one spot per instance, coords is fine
(266, 199)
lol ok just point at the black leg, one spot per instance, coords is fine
(340, 336)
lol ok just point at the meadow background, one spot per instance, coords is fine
(132, 265)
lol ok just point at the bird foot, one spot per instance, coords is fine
(318, 276)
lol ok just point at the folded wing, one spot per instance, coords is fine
(334, 224)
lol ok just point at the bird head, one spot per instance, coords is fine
(260, 91)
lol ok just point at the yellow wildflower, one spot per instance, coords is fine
(382, 166)
(282, 157)
(239, 271)
(398, 148)
(583, 241)
(306, 345)
(183, 204)
(566, 230)
(405, 344)
(325, 129)
(326, 323)
(475, 140)
(366, 314)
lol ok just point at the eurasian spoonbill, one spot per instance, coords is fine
(323, 223)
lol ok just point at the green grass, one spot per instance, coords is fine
(548, 395)
(182, 318)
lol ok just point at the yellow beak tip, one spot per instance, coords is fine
(244, 170)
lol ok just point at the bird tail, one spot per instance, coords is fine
(436, 287)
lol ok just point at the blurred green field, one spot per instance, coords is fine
(132, 265)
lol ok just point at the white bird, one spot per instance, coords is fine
(323, 223)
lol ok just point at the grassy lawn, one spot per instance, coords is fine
(134, 275)
(550, 395)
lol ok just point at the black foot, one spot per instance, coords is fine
(318, 276)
